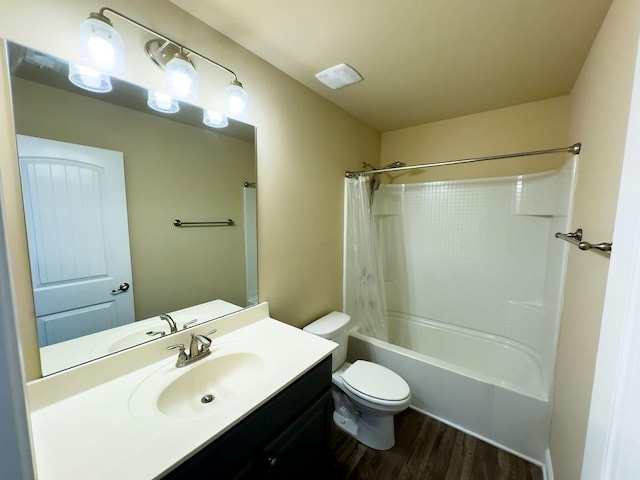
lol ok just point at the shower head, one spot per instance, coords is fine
(374, 183)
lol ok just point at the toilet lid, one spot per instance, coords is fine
(376, 381)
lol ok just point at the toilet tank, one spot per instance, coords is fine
(334, 327)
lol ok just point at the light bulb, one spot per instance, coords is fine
(89, 78)
(104, 51)
(214, 119)
(236, 103)
(101, 47)
(181, 79)
(161, 102)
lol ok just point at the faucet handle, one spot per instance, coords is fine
(152, 333)
(206, 344)
(199, 344)
(189, 323)
(201, 339)
(182, 355)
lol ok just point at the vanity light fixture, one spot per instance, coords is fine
(236, 101)
(101, 46)
(181, 78)
(214, 119)
(102, 49)
(89, 79)
(161, 102)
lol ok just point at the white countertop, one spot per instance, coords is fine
(90, 431)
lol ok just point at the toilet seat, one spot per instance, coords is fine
(375, 383)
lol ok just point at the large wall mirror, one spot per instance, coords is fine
(104, 177)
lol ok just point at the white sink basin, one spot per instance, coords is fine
(206, 387)
(210, 384)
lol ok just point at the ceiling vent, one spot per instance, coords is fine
(339, 76)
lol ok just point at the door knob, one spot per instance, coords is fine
(121, 289)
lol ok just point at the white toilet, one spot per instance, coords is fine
(366, 395)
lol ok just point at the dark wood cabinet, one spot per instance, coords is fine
(286, 438)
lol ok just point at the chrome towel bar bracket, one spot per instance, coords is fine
(575, 238)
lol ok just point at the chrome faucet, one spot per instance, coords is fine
(172, 324)
(198, 349)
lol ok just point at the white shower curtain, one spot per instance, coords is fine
(364, 285)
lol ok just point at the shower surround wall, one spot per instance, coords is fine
(474, 279)
(480, 254)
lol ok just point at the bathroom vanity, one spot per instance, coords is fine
(286, 438)
(257, 407)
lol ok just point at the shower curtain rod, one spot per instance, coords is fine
(574, 149)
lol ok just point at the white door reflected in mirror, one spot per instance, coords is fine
(76, 217)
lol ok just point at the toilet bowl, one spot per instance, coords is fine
(366, 395)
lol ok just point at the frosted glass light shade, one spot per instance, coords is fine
(181, 79)
(236, 102)
(161, 102)
(89, 79)
(101, 46)
(214, 119)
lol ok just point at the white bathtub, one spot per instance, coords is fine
(489, 386)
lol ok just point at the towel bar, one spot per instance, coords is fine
(575, 238)
(226, 223)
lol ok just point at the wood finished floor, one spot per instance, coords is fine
(426, 449)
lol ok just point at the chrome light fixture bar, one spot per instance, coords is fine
(102, 50)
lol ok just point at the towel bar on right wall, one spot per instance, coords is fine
(575, 238)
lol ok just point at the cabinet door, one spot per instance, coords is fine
(302, 449)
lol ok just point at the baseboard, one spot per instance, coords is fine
(547, 468)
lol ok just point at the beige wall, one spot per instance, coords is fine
(304, 145)
(172, 171)
(531, 126)
(599, 113)
(595, 114)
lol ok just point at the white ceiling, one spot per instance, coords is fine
(422, 60)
